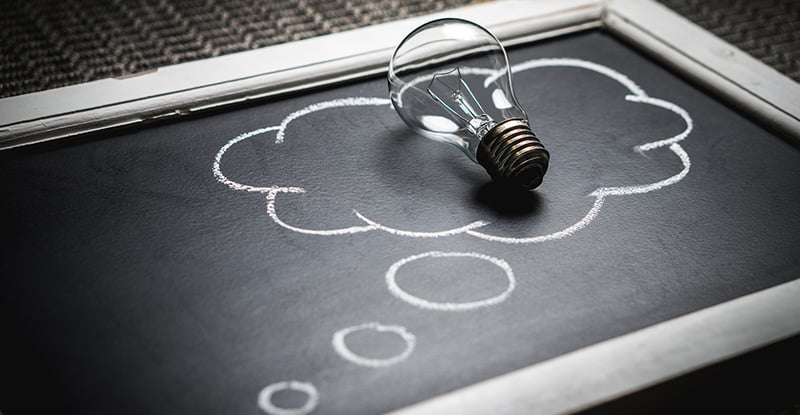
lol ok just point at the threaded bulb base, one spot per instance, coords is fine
(512, 154)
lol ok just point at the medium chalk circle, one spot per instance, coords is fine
(341, 348)
(398, 292)
(265, 398)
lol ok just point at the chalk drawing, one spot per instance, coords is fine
(346, 102)
(340, 345)
(394, 288)
(265, 398)
(364, 224)
(456, 231)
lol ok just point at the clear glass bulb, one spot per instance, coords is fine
(449, 80)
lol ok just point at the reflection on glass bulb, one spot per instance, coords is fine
(450, 81)
(467, 108)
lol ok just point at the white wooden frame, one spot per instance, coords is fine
(570, 382)
(629, 363)
(195, 86)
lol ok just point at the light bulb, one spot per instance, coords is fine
(449, 80)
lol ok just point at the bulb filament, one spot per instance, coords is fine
(466, 107)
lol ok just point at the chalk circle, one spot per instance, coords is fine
(341, 348)
(265, 398)
(432, 305)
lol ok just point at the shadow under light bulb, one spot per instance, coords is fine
(449, 80)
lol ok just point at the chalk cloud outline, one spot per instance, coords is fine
(636, 95)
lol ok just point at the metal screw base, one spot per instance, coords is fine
(512, 154)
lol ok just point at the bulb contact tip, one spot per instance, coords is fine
(512, 154)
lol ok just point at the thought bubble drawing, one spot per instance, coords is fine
(476, 228)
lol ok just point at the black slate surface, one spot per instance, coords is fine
(133, 281)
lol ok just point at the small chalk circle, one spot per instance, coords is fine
(265, 398)
(340, 344)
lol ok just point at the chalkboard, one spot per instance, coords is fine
(314, 253)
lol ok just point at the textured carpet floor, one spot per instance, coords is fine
(47, 44)
(768, 30)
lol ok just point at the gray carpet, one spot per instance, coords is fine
(769, 30)
(46, 44)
